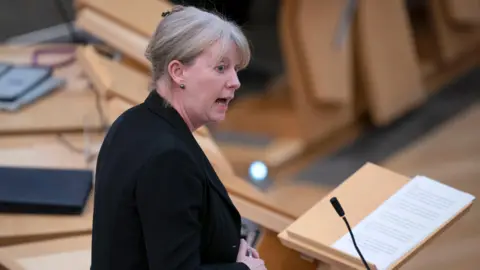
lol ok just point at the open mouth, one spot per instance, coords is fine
(223, 101)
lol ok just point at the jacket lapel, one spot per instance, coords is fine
(155, 103)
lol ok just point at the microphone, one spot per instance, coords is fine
(338, 208)
(336, 204)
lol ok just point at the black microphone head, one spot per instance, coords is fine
(336, 204)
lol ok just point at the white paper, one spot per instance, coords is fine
(403, 221)
(74, 260)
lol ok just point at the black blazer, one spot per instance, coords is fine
(158, 201)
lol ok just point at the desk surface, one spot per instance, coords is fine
(43, 151)
(69, 253)
(24, 55)
(70, 108)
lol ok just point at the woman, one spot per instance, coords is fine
(158, 202)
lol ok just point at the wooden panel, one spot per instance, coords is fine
(71, 253)
(117, 36)
(127, 83)
(314, 121)
(388, 60)
(26, 140)
(21, 228)
(464, 12)
(452, 41)
(117, 106)
(49, 155)
(141, 17)
(62, 111)
(91, 63)
(213, 153)
(279, 257)
(114, 78)
(258, 114)
(275, 154)
(328, 68)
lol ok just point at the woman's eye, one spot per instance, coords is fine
(221, 68)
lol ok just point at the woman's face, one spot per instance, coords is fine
(210, 84)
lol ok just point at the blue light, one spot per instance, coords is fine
(258, 171)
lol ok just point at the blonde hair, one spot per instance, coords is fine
(185, 32)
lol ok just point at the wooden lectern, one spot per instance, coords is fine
(314, 233)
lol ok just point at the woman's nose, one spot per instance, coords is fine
(234, 82)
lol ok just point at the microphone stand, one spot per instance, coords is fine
(338, 208)
(355, 243)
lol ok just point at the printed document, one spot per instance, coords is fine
(409, 216)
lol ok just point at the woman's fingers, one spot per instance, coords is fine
(255, 253)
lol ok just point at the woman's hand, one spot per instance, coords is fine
(253, 252)
(253, 262)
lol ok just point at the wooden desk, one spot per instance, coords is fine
(42, 151)
(72, 253)
(70, 108)
(49, 150)
(24, 142)
(58, 112)
(24, 55)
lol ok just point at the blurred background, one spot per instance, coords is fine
(333, 85)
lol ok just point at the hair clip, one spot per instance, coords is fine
(166, 13)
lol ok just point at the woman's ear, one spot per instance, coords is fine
(177, 72)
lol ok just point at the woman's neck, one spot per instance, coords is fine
(176, 103)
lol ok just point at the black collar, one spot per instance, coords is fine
(156, 104)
